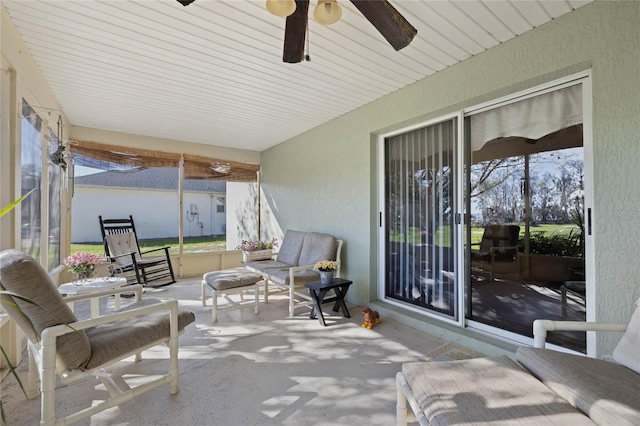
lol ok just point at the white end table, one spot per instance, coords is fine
(96, 284)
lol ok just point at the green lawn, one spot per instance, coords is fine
(442, 235)
(191, 245)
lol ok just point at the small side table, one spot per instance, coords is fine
(318, 290)
(97, 284)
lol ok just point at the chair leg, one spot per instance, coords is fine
(256, 292)
(291, 300)
(401, 404)
(47, 385)
(214, 303)
(33, 375)
(203, 295)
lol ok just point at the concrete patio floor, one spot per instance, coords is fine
(263, 369)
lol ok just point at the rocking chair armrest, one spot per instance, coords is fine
(130, 254)
(137, 289)
(166, 250)
(50, 334)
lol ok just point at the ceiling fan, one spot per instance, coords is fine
(387, 20)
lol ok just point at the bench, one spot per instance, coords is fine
(293, 266)
(230, 281)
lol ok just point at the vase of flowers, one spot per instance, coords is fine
(326, 269)
(257, 250)
(83, 266)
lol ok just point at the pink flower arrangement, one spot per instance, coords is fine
(83, 263)
(257, 245)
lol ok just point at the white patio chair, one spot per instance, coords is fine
(61, 345)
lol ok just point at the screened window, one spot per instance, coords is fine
(31, 179)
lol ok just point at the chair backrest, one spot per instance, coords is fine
(21, 274)
(626, 351)
(500, 236)
(121, 246)
(290, 248)
(317, 247)
(117, 227)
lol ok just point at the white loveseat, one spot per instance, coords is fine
(293, 266)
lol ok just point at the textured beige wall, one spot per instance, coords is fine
(324, 179)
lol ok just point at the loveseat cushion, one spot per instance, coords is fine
(607, 392)
(23, 275)
(283, 276)
(265, 265)
(289, 252)
(112, 340)
(316, 247)
(485, 391)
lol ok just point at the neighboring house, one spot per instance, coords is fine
(151, 197)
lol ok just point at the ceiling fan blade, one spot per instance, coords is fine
(295, 33)
(388, 21)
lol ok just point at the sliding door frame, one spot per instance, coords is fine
(583, 79)
(382, 225)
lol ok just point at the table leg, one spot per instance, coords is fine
(341, 292)
(95, 307)
(317, 298)
(116, 302)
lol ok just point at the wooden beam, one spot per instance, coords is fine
(295, 33)
(388, 21)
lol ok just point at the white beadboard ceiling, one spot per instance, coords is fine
(212, 72)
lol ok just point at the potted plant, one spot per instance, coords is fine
(257, 250)
(82, 266)
(326, 268)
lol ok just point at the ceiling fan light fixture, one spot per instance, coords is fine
(327, 12)
(281, 7)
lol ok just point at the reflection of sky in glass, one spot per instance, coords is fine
(542, 164)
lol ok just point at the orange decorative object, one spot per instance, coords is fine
(370, 318)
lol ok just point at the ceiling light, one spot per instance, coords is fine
(327, 12)
(281, 7)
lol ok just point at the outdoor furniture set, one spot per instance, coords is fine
(288, 273)
(553, 388)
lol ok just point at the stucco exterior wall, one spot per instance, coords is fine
(325, 179)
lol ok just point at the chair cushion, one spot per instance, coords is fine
(289, 252)
(316, 247)
(282, 276)
(266, 265)
(23, 275)
(110, 341)
(485, 391)
(121, 244)
(627, 351)
(231, 278)
(608, 392)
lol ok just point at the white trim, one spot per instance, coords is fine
(416, 126)
(589, 202)
(527, 93)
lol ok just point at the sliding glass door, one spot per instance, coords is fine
(484, 214)
(418, 218)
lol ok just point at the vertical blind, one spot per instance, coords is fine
(419, 240)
